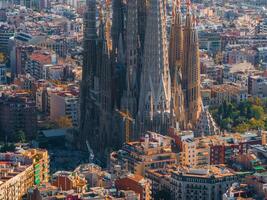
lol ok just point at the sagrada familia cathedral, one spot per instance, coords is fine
(133, 70)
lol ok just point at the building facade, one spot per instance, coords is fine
(184, 183)
(175, 63)
(154, 151)
(155, 92)
(64, 104)
(20, 115)
(191, 70)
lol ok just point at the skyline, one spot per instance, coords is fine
(133, 99)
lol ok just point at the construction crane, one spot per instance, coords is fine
(127, 119)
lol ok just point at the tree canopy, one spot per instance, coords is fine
(247, 115)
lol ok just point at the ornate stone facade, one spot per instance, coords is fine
(191, 70)
(175, 61)
(155, 93)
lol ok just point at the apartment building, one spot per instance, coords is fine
(153, 151)
(64, 104)
(183, 183)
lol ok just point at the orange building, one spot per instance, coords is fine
(69, 181)
(136, 183)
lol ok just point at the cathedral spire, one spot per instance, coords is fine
(117, 28)
(87, 122)
(108, 25)
(121, 55)
(191, 70)
(95, 110)
(129, 100)
(101, 31)
(155, 93)
(188, 19)
(175, 61)
(143, 6)
(176, 40)
(90, 20)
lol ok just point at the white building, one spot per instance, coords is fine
(64, 104)
(184, 183)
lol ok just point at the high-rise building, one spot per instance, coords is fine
(191, 70)
(155, 92)
(175, 62)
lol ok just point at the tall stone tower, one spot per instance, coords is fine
(130, 95)
(103, 80)
(108, 25)
(118, 50)
(143, 6)
(117, 29)
(175, 61)
(96, 108)
(88, 110)
(155, 93)
(191, 70)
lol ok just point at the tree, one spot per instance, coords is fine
(256, 101)
(224, 108)
(226, 123)
(242, 108)
(249, 112)
(257, 111)
(229, 110)
(220, 110)
(256, 124)
(247, 115)
(64, 122)
(241, 128)
(240, 120)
